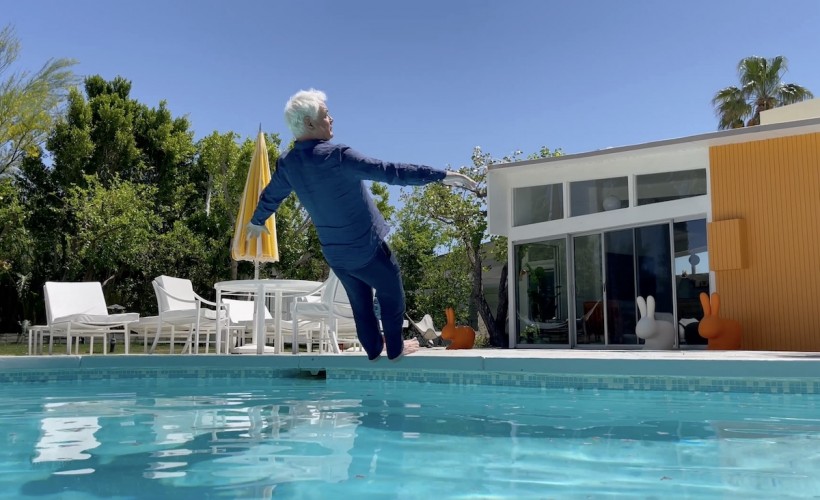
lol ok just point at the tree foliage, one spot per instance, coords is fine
(443, 246)
(14, 237)
(761, 88)
(115, 229)
(28, 102)
(121, 186)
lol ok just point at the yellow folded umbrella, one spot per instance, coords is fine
(264, 248)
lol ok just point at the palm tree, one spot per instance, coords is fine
(761, 89)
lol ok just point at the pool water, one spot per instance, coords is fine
(315, 438)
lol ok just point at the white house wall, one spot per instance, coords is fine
(677, 210)
(618, 164)
(498, 213)
(670, 155)
(628, 164)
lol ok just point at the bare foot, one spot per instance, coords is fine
(410, 346)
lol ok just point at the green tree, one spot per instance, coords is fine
(14, 237)
(46, 226)
(28, 102)
(115, 160)
(434, 267)
(16, 247)
(111, 136)
(225, 163)
(115, 230)
(437, 221)
(761, 88)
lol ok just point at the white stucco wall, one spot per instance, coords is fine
(793, 112)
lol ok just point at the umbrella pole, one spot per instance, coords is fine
(259, 326)
(256, 260)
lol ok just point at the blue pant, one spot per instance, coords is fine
(383, 275)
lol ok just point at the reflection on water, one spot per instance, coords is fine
(202, 442)
(66, 438)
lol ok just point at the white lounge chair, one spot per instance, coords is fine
(77, 310)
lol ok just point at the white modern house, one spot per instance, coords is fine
(590, 232)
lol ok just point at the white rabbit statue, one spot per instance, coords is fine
(657, 334)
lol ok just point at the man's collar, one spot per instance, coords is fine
(309, 143)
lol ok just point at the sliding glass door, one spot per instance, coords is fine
(589, 289)
(608, 271)
(612, 269)
(691, 277)
(619, 286)
(542, 315)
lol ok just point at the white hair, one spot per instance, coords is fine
(303, 104)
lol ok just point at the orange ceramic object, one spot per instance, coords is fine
(460, 337)
(722, 333)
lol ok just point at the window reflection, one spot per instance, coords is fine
(599, 195)
(691, 277)
(542, 300)
(589, 291)
(668, 186)
(538, 204)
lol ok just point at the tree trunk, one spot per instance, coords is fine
(502, 340)
(496, 325)
(479, 301)
(208, 195)
(234, 264)
(231, 215)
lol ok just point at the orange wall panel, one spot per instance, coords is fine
(728, 249)
(774, 186)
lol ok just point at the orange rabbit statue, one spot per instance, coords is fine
(722, 333)
(460, 337)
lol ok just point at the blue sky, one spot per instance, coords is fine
(425, 81)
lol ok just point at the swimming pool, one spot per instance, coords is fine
(262, 432)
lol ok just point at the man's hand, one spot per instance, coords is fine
(254, 231)
(460, 180)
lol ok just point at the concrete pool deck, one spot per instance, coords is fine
(563, 362)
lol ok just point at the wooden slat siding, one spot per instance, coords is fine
(728, 244)
(775, 186)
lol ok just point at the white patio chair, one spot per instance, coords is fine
(77, 310)
(180, 308)
(169, 332)
(332, 311)
(146, 329)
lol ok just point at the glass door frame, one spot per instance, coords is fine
(558, 326)
(604, 285)
(575, 317)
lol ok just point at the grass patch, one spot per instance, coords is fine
(21, 349)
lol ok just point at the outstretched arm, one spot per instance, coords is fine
(460, 180)
(401, 174)
(275, 192)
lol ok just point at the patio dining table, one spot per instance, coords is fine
(260, 289)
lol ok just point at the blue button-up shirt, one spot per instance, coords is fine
(329, 181)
